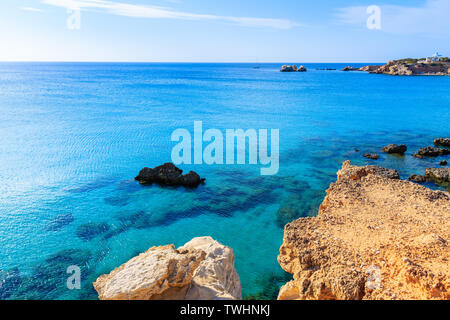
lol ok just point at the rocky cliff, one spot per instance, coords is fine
(375, 237)
(202, 269)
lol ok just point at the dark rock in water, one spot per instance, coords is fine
(301, 69)
(348, 68)
(91, 230)
(438, 175)
(444, 142)
(443, 163)
(417, 178)
(372, 156)
(9, 281)
(431, 152)
(169, 175)
(393, 148)
(60, 221)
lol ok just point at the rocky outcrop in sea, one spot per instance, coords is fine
(293, 68)
(443, 142)
(169, 175)
(374, 238)
(395, 149)
(202, 269)
(436, 175)
(431, 152)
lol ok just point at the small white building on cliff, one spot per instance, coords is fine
(435, 58)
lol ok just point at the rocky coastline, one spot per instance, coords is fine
(407, 67)
(375, 237)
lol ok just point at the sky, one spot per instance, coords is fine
(223, 30)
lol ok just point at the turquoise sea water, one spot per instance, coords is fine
(74, 135)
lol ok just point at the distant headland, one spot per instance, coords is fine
(436, 65)
(431, 66)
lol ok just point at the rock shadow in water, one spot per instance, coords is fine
(96, 184)
(91, 230)
(59, 222)
(49, 278)
(10, 281)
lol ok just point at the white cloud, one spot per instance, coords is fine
(432, 18)
(31, 9)
(154, 12)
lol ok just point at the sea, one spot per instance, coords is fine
(74, 135)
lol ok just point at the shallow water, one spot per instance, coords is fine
(74, 135)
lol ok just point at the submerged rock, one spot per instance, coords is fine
(393, 148)
(169, 175)
(286, 214)
(91, 230)
(60, 221)
(443, 163)
(431, 152)
(372, 156)
(373, 238)
(444, 142)
(9, 281)
(203, 269)
(48, 280)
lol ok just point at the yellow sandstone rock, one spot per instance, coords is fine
(375, 237)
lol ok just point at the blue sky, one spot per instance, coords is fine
(225, 30)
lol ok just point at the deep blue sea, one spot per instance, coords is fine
(74, 135)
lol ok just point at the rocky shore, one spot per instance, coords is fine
(408, 67)
(375, 237)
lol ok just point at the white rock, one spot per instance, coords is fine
(203, 269)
